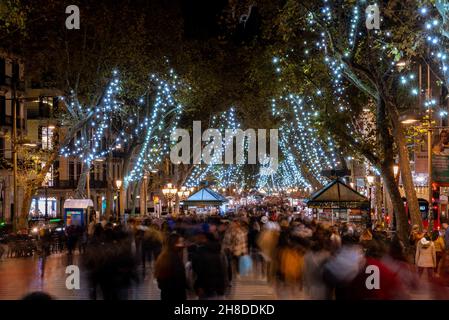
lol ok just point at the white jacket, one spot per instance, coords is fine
(425, 254)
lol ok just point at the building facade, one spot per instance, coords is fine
(12, 89)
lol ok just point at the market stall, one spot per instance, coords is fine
(339, 202)
(205, 200)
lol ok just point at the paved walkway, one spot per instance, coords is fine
(19, 276)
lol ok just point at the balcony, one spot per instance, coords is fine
(7, 121)
(72, 184)
(8, 81)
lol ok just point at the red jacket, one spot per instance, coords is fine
(390, 286)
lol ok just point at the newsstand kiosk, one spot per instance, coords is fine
(76, 211)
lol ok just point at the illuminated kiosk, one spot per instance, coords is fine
(76, 211)
(205, 200)
(340, 202)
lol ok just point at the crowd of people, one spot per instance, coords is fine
(198, 257)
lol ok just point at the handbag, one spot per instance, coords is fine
(245, 265)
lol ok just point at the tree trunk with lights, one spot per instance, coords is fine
(396, 199)
(109, 188)
(404, 165)
(378, 197)
(134, 186)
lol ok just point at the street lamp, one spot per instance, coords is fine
(395, 170)
(118, 184)
(169, 193)
(183, 193)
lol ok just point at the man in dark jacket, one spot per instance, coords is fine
(209, 266)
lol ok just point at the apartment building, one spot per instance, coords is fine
(12, 88)
(44, 110)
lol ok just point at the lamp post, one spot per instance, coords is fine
(169, 193)
(396, 171)
(118, 184)
(183, 194)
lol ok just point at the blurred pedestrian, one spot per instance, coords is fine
(396, 260)
(335, 239)
(72, 238)
(151, 244)
(235, 244)
(446, 234)
(438, 240)
(314, 261)
(170, 271)
(425, 258)
(210, 267)
(443, 270)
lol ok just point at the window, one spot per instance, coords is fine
(2, 71)
(55, 106)
(103, 168)
(15, 72)
(78, 170)
(2, 110)
(2, 147)
(72, 172)
(44, 107)
(47, 137)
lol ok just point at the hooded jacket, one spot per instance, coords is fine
(425, 254)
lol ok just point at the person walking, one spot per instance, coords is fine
(425, 258)
(443, 270)
(438, 240)
(72, 238)
(446, 234)
(314, 261)
(170, 271)
(235, 244)
(151, 244)
(209, 266)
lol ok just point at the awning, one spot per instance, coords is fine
(78, 203)
(205, 196)
(338, 195)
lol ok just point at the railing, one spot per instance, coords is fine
(8, 81)
(71, 184)
(7, 121)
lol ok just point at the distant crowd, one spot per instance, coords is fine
(201, 256)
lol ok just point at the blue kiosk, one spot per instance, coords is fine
(76, 211)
